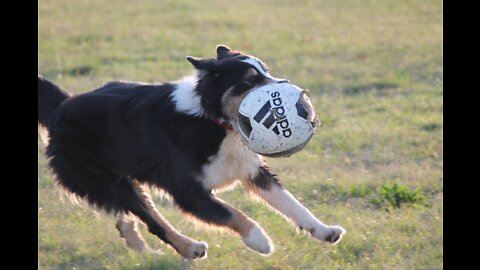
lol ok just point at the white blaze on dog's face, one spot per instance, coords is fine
(224, 82)
(262, 69)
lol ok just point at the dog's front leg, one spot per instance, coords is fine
(211, 210)
(268, 188)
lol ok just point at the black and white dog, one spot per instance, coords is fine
(106, 145)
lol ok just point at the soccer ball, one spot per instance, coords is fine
(276, 120)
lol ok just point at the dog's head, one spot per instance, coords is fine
(225, 80)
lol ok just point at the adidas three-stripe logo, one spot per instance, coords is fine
(276, 115)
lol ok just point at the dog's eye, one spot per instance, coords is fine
(252, 79)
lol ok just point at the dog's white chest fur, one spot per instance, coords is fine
(233, 161)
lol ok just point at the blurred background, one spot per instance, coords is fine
(375, 74)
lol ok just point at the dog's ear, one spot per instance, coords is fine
(223, 51)
(199, 63)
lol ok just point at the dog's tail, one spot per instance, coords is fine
(50, 96)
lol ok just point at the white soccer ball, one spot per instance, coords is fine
(276, 120)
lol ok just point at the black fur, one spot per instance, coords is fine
(121, 131)
(265, 178)
(49, 98)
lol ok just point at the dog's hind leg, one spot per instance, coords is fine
(127, 226)
(156, 224)
(119, 194)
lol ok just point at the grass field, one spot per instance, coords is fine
(375, 73)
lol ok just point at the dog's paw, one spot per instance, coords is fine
(258, 240)
(330, 234)
(198, 250)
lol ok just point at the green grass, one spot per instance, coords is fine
(375, 73)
